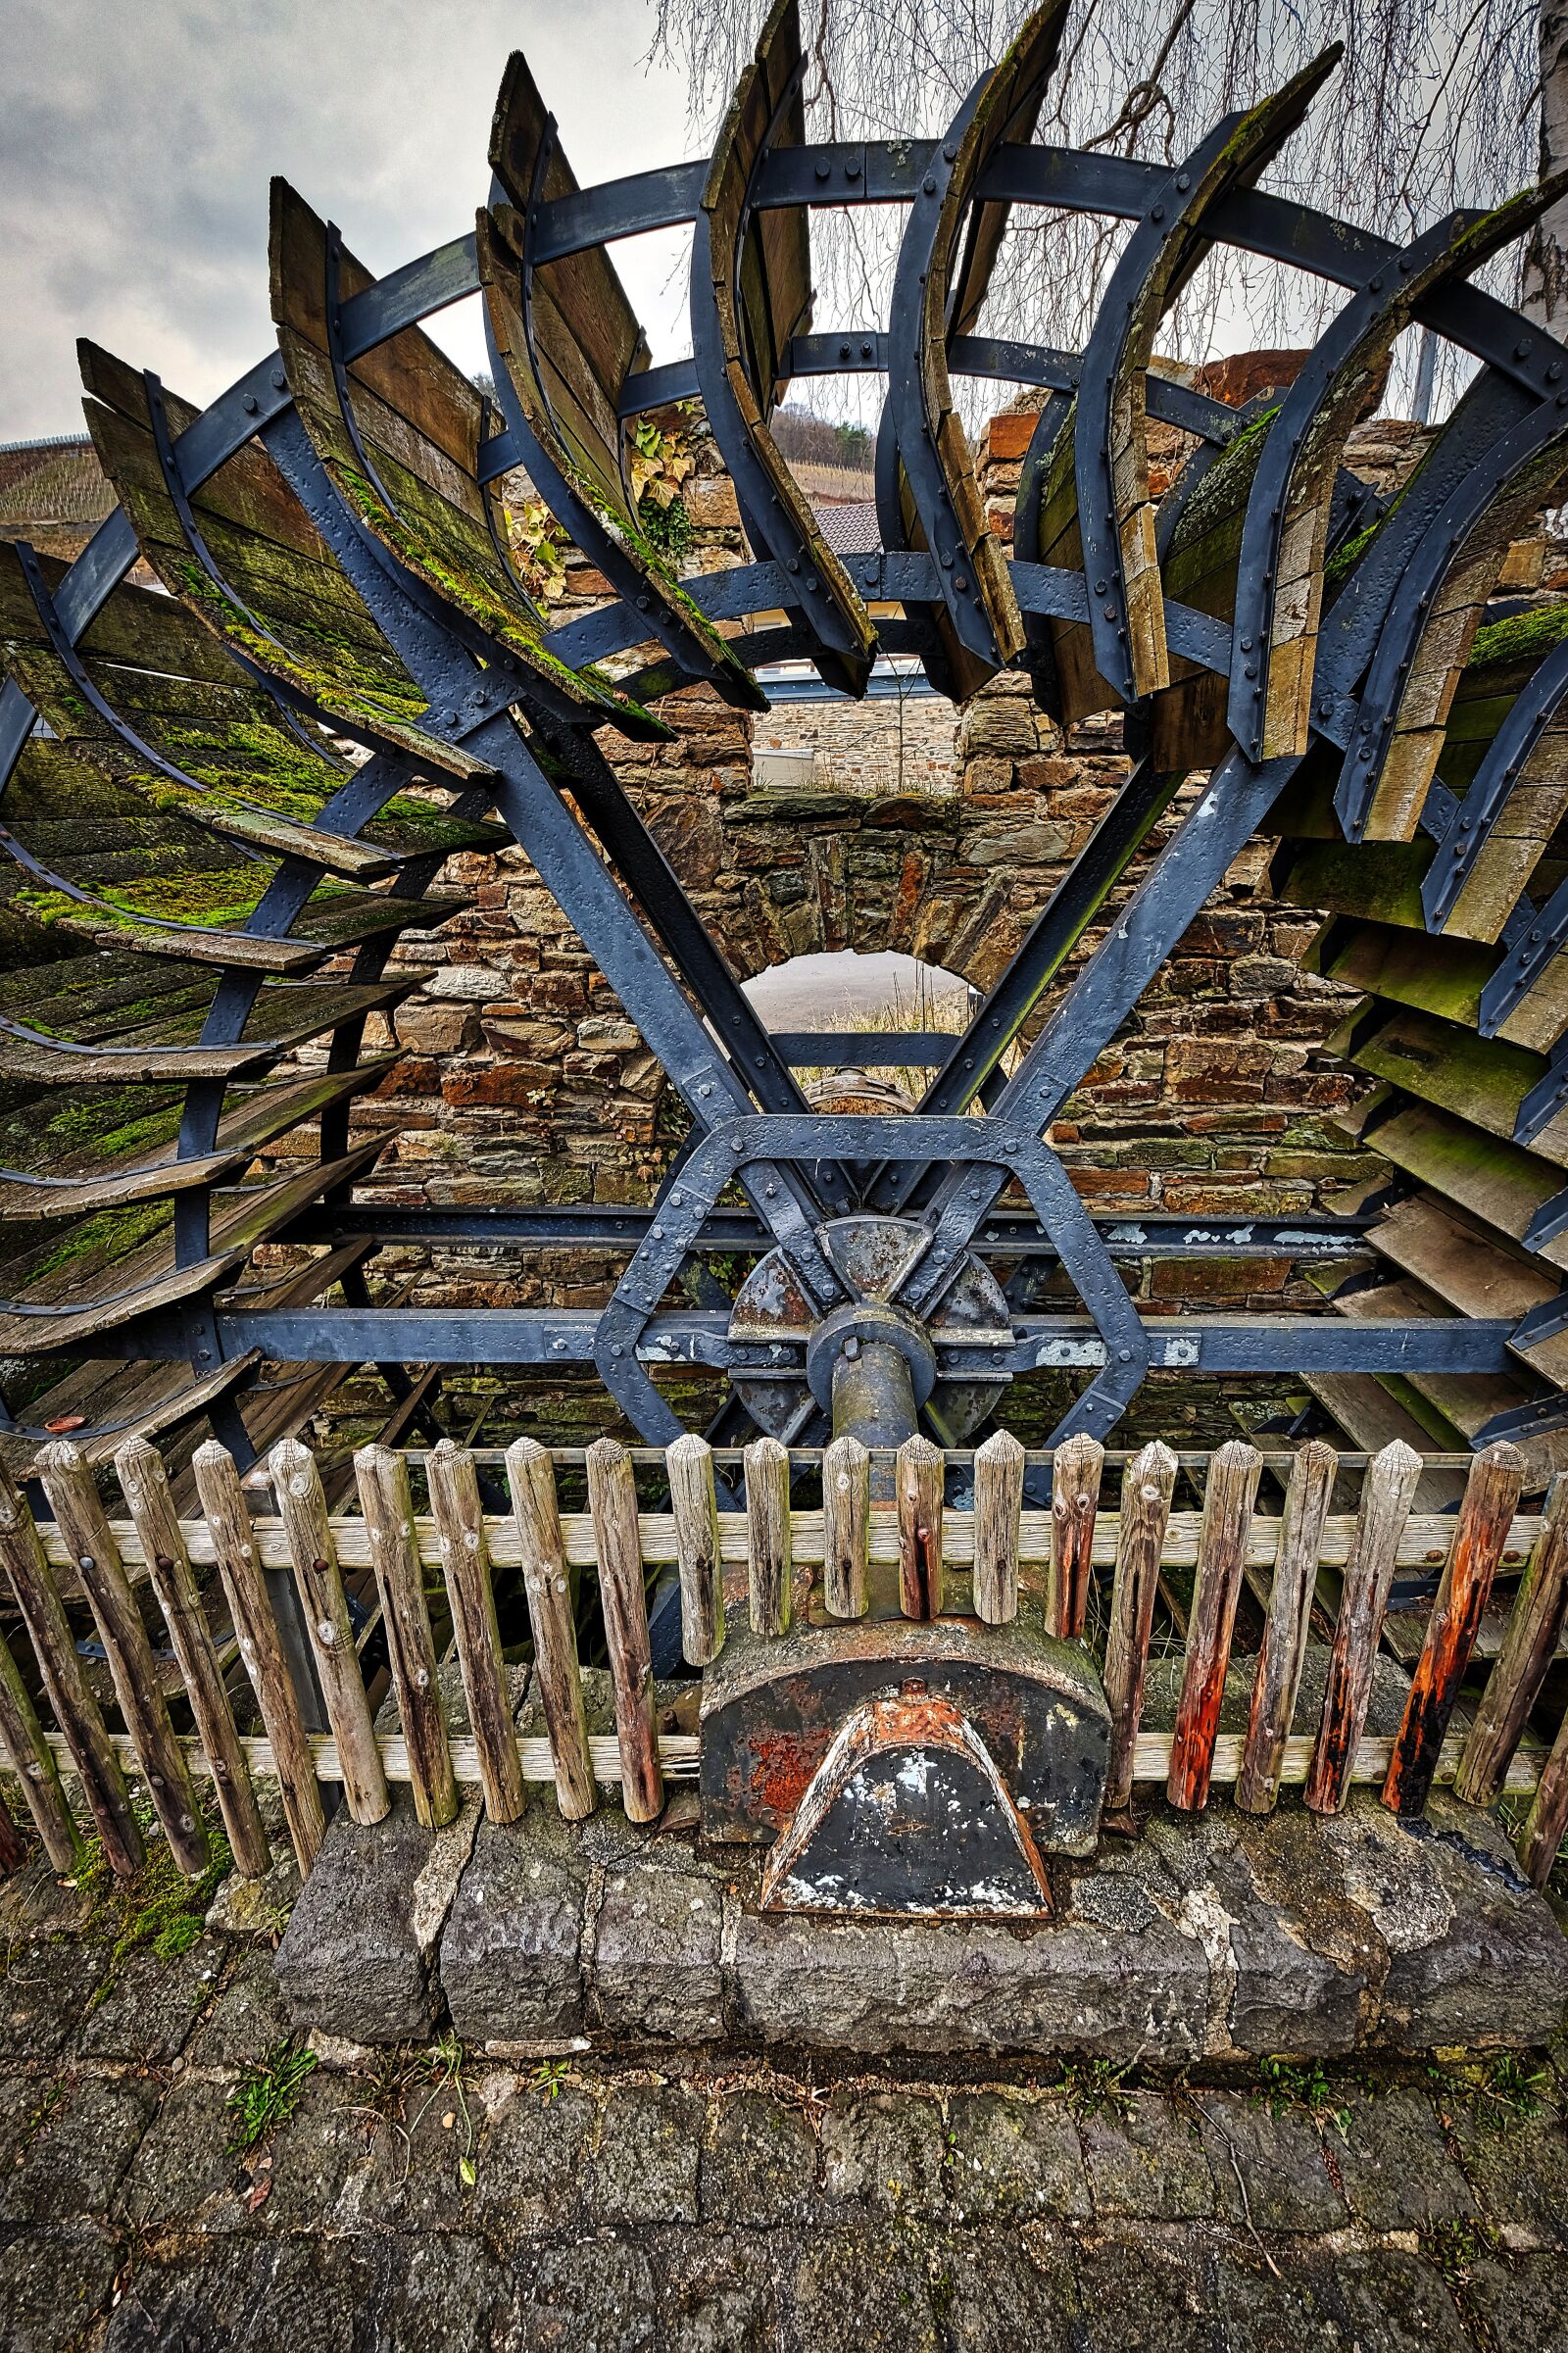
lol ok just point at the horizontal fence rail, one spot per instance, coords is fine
(267, 1575)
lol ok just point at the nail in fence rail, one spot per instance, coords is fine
(1074, 1502)
(68, 1483)
(846, 1529)
(531, 1477)
(918, 1482)
(308, 1532)
(1387, 1494)
(1529, 1647)
(1486, 1514)
(458, 1515)
(613, 1505)
(1229, 1493)
(1015, 1556)
(1147, 1486)
(150, 1500)
(998, 1467)
(234, 1542)
(60, 1671)
(1286, 1627)
(382, 1479)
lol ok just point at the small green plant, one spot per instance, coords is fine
(446, 2066)
(549, 2075)
(1289, 2087)
(1452, 2247)
(268, 2094)
(1504, 2090)
(1096, 2085)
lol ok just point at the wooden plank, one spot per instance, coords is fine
(1229, 1493)
(1074, 1501)
(1485, 1517)
(846, 1527)
(1287, 1627)
(613, 1505)
(1387, 1494)
(1540, 1835)
(232, 1545)
(31, 1759)
(1147, 1484)
(998, 1467)
(1529, 1647)
(918, 1480)
(147, 1279)
(382, 1479)
(694, 1509)
(769, 1551)
(302, 1508)
(460, 1520)
(60, 1670)
(148, 1499)
(531, 1478)
(678, 1759)
(67, 1482)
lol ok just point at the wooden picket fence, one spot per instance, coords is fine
(990, 1560)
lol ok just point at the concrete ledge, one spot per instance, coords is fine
(1219, 1937)
(357, 1958)
(1215, 1935)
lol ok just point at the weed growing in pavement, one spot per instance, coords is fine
(1095, 2084)
(1287, 2085)
(1504, 2090)
(549, 2075)
(446, 2066)
(268, 2094)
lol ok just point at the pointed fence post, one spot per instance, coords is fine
(531, 1476)
(1387, 1491)
(66, 1687)
(68, 1481)
(1075, 1475)
(623, 1597)
(144, 1483)
(998, 1467)
(32, 1762)
(770, 1568)
(1147, 1486)
(1229, 1493)
(1288, 1626)
(920, 1476)
(694, 1508)
(261, 1647)
(846, 1529)
(308, 1534)
(1486, 1515)
(382, 1479)
(458, 1515)
(1529, 1647)
(1542, 1835)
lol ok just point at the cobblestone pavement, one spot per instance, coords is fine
(613, 2206)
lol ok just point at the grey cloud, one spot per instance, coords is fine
(139, 140)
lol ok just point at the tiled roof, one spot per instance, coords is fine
(850, 529)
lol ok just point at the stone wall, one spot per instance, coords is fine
(884, 747)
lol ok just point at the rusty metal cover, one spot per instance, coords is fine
(771, 1710)
(907, 1814)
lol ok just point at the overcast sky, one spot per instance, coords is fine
(139, 136)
